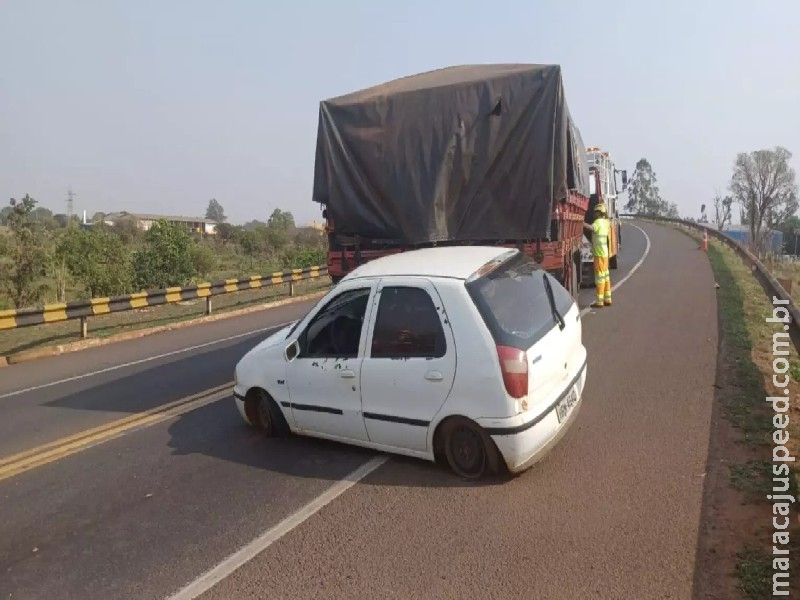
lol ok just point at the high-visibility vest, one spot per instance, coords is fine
(601, 228)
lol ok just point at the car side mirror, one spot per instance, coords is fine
(291, 351)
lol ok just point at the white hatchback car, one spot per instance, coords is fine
(467, 355)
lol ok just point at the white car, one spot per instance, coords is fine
(471, 356)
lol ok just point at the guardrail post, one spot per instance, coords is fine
(291, 288)
(84, 327)
(208, 305)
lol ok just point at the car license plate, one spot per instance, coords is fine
(564, 407)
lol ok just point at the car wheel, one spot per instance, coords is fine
(470, 452)
(266, 415)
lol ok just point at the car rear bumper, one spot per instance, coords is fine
(524, 444)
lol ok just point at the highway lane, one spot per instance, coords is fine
(47, 399)
(612, 512)
(140, 515)
(44, 414)
(77, 364)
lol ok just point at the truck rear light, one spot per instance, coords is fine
(514, 366)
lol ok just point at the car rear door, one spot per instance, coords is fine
(409, 364)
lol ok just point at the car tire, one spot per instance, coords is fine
(469, 451)
(265, 415)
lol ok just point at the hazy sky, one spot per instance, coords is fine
(158, 106)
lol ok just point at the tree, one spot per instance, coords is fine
(98, 259)
(643, 195)
(203, 259)
(227, 233)
(21, 273)
(722, 210)
(791, 229)
(165, 260)
(127, 229)
(281, 220)
(669, 210)
(215, 212)
(253, 225)
(763, 183)
(249, 241)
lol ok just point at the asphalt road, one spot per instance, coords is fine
(141, 509)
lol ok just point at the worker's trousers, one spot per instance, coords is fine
(602, 279)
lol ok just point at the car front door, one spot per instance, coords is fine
(323, 370)
(410, 363)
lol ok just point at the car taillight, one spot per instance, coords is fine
(514, 366)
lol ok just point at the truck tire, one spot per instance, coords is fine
(612, 262)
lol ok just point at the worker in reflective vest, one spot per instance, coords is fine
(601, 229)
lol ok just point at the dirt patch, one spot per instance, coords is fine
(735, 546)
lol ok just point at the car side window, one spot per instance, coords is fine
(335, 331)
(407, 325)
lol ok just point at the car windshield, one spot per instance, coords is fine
(514, 303)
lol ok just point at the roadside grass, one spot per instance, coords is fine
(754, 478)
(788, 271)
(51, 334)
(754, 571)
(746, 359)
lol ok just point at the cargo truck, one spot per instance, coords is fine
(602, 188)
(473, 154)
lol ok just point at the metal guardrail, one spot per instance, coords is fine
(53, 313)
(770, 285)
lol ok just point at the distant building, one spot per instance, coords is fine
(145, 221)
(315, 225)
(741, 233)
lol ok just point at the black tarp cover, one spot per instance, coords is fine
(476, 152)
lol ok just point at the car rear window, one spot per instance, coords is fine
(513, 302)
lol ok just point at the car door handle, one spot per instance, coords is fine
(347, 374)
(434, 376)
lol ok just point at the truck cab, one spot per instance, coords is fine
(602, 188)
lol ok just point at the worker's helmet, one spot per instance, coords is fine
(600, 208)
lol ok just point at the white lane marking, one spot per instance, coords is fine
(224, 569)
(142, 360)
(633, 270)
(210, 578)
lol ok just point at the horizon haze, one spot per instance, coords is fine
(157, 108)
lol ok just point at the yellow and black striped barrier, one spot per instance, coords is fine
(53, 313)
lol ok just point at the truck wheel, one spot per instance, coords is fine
(612, 262)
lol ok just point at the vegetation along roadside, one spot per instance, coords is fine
(735, 554)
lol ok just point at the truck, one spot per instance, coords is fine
(602, 188)
(472, 154)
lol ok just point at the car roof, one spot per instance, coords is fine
(457, 262)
